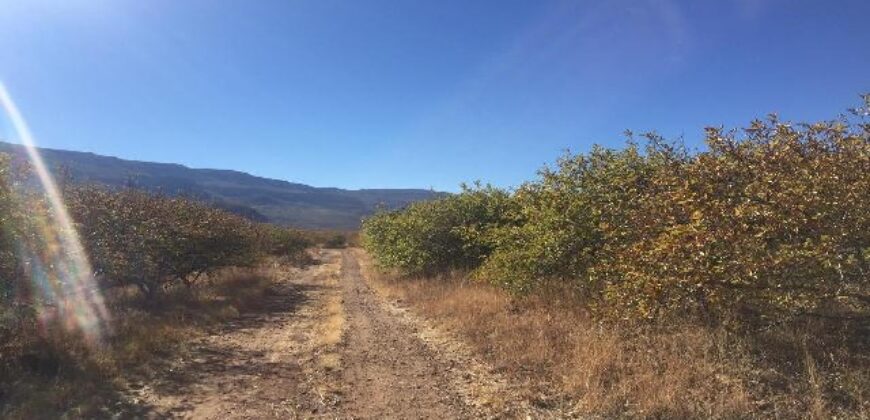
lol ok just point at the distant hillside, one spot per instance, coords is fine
(259, 198)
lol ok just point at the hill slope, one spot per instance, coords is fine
(264, 199)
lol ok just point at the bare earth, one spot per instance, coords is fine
(326, 345)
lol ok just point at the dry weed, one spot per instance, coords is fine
(559, 353)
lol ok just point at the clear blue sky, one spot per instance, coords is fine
(361, 94)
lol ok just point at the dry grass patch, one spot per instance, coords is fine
(332, 329)
(47, 373)
(563, 357)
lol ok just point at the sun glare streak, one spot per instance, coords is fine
(58, 264)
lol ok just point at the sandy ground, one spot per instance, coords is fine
(325, 345)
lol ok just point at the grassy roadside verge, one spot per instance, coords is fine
(47, 374)
(559, 354)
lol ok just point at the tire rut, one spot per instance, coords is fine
(261, 365)
(389, 372)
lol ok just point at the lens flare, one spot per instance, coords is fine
(64, 289)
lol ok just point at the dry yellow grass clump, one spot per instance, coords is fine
(332, 330)
(562, 356)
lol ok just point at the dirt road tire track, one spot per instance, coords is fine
(390, 372)
(259, 366)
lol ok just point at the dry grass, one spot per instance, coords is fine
(561, 356)
(332, 329)
(49, 373)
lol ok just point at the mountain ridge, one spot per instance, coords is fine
(259, 198)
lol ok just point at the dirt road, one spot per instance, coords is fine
(326, 345)
(389, 371)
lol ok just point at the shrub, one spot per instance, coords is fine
(439, 235)
(9, 217)
(336, 241)
(134, 237)
(569, 217)
(775, 218)
(772, 219)
(284, 242)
